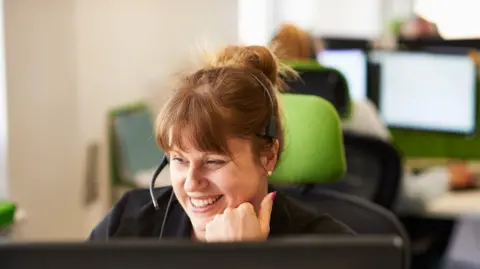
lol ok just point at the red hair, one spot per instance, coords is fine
(224, 99)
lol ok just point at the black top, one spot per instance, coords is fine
(134, 216)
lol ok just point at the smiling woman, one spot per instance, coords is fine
(223, 135)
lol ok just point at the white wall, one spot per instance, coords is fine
(3, 114)
(44, 174)
(340, 18)
(255, 21)
(350, 18)
(68, 62)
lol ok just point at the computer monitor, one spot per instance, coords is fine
(309, 252)
(427, 91)
(352, 63)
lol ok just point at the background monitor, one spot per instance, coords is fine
(428, 91)
(352, 63)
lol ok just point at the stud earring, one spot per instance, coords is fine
(269, 173)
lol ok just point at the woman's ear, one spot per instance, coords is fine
(269, 157)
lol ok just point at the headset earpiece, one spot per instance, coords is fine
(270, 129)
(271, 126)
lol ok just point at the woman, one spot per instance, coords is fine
(213, 130)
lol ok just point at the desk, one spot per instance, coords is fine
(455, 204)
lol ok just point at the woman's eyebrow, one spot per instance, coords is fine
(174, 151)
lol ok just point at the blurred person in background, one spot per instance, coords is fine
(418, 189)
(294, 44)
(418, 28)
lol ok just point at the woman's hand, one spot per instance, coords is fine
(241, 223)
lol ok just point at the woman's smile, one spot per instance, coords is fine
(205, 204)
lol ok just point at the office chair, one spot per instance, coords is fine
(133, 150)
(313, 155)
(374, 170)
(321, 81)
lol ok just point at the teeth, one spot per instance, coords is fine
(204, 202)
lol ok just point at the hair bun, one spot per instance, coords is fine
(256, 57)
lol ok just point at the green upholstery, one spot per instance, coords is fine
(313, 147)
(132, 143)
(119, 182)
(314, 65)
(423, 144)
(114, 157)
(305, 65)
(7, 213)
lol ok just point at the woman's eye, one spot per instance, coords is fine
(178, 160)
(216, 162)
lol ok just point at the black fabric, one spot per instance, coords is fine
(363, 216)
(430, 239)
(326, 83)
(346, 43)
(374, 170)
(373, 82)
(134, 216)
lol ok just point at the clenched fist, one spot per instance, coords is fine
(241, 223)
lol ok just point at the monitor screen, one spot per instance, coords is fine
(352, 64)
(428, 91)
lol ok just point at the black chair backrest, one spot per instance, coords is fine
(363, 216)
(327, 83)
(374, 170)
(346, 43)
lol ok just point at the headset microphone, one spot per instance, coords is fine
(159, 169)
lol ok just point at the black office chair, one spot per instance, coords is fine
(374, 170)
(363, 216)
(324, 82)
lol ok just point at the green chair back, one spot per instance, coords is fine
(313, 147)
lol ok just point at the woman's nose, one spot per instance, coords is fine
(194, 180)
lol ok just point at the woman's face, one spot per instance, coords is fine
(206, 184)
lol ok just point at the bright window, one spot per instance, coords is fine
(254, 21)
(454, 19)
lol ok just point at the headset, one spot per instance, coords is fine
(269, 132)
